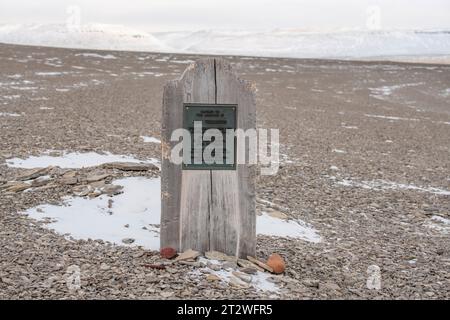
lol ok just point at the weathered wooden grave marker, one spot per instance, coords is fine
(208, 206)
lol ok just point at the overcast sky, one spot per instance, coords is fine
(160, 15)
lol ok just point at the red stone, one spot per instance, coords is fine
(168, 253)
(276, 262)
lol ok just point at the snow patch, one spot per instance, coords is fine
(72, 160)
(9, 114)
(83, 218)
(96, 55)
(389, 185)
(138, 207)
(439, 223)
(390, 118)
(150, 139)
(271, 226)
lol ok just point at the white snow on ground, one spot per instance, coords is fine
(150, 139)
(390, 118)
(138, 206)
(385, 91)
(9, 114)
(259, 280)
(377, 44)
(96, 55)
(271, 226)
(72, 160)
(439, 223)
(50, 73)
(389, 185)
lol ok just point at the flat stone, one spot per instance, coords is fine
(236, 282)
(40, 181)
(96, 177)
(229, 265)
(311, 282)
(242, 276)
(68, 181)
(260, 264)
(98, 184)
(33, 174)
(248, 270)
(195, 264)
(247, 264)
(188, 255)
(220, 256)
(70, 174)
(277, 214)
(212, 277)
(128, 240)
(18, 187)
(213, 266)
(112, 189)
(130, 166)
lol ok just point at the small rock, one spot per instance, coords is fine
(33, 174)
(96, 177)
(104, 267)
(277, 214)
(70, 174)
(242, 276)
(212, 277)
(236, 282)
(98, 184)
(188, 255)
(194, 264)
(68, 181)
(216, 255)
(213, 266)
(276, 262)
(311, 283)
(247, 264)
(168, 253)
(166, 294)
(18, 187)
(129, 166)
(128, 240)
(229, 265)
(329, 286)
(40, 181)
(248, 270)
(112, 189)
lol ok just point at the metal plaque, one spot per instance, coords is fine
(210, 116)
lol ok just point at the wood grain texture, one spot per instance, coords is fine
(207, 209)
(197, 85)
(233, 194)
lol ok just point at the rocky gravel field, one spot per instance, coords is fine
(365, 162)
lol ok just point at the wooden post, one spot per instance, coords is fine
(210, 209)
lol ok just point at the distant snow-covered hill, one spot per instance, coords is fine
(87, 36)
(277, 43)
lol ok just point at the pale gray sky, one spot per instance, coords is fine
(160, 15)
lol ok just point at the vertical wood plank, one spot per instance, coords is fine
(183, 211)
(233, 217)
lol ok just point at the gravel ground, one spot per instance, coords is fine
(365, 160)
